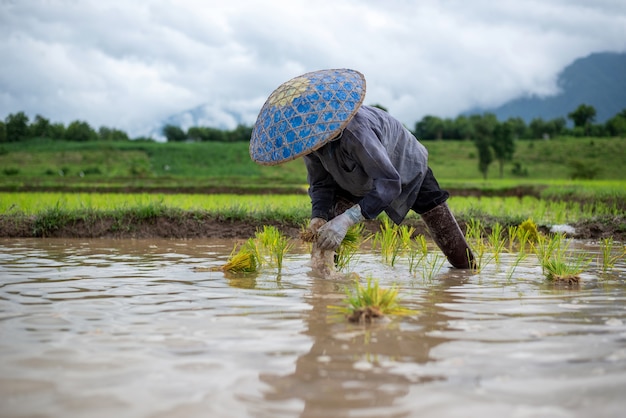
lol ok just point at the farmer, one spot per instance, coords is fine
(360, 161)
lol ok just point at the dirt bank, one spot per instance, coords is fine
(191, 226)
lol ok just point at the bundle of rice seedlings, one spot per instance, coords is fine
(274, 243)
(349, 246)
(245, 260)
(368, 303)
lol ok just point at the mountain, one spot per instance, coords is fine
(598, 80)
(205, 115)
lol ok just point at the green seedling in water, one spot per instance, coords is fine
(496, 241)
(521, 256)
(607, 259)
(393, 240)
(387, 239)
(432, 266)
(474, 236)
(274, 243)
(418, 250)
(511, 232)
(528, 229)
(369, 302)
(557, 263)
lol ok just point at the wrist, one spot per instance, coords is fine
(354, 213)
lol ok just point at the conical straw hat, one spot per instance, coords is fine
(305, 113)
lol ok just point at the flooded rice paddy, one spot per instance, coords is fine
(134, 328)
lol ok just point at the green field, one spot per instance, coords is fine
(148, 165)
(47, 187)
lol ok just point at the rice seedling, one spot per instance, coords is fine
(496, 241)
(528, 230)
(607, 258)
(349, 246)
(244, 260)
(387, 239)
(274, 244)
(417, 253)
(365, 304)
(432, 266)
(474, 236)
(511, 231)
(521, 256)
(557, 263)
(393, 240)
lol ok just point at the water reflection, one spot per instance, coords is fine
(356, 370)
(133, 328)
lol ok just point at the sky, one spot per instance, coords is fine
(131, 64)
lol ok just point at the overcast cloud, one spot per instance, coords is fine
(131, 64)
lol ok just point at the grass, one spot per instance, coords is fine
(54, 210)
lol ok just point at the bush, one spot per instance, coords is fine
(92, 171)
(518, 170)
(582, 170)
(11, 171)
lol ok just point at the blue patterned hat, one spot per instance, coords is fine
(305, 113)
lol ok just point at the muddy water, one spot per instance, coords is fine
(141, 329)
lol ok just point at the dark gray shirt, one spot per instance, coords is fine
(376, 159)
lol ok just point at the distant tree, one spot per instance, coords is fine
(503, 144)
(484, 127)
(485, 155)
(39, 127)
(556, 126)
(57, 131)
(80, 131)
(464, 128)
(616, 126)
(174, 133)
(449, 130)
(538, 128)
(583, 116)
(241, 133)
(112, 134)
(430, 127)
(16, 127)
(3, 132)
(204, 134)
(518, 127)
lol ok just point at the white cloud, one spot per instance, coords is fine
(132, 64)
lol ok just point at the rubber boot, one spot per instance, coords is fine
(448, 236)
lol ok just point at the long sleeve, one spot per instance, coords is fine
(321, 187)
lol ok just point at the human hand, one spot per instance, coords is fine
(315, 224)
(334, 231)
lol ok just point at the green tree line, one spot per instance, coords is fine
(494, 140)
(17, 127)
